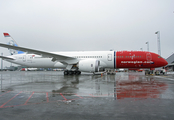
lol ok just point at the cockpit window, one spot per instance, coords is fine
(159, 57)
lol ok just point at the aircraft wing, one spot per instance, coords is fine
(55, 57)
(7, 57)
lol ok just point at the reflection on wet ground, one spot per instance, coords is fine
(142, 88)
(51, 95)
(119, 86)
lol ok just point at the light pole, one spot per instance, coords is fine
(147, 46)
(158, 42)
(1, 69)
(1, 62)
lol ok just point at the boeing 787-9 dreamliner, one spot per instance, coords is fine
(77, 62)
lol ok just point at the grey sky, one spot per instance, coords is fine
(76, 25)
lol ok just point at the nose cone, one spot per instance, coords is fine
(158, 60)
(164, 62)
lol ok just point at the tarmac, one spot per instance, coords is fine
(49, 95)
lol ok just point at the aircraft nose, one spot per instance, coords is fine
(165, 62)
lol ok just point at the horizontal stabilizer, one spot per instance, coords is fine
(7, 57)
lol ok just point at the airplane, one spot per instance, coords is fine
(81, 61)
(28, 69)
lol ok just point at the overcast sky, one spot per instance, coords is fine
(82, 25)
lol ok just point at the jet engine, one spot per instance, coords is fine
(89, 65)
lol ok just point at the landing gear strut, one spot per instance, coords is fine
(147, 72)
(70, 72)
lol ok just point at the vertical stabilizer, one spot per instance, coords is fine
(12, 42)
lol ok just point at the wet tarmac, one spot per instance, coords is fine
(53, 96)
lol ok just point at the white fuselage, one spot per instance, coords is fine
(106, 58)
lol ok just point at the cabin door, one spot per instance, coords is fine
(109, 57)
(148, 57)
(24, 58)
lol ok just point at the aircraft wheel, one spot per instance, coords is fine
(75, 72)
(71, 72)
(78, 72)
(66, 72)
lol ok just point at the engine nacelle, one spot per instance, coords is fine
(89, 65)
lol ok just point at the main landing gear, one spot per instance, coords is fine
(70, 72)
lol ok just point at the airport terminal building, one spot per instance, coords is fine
(170, 66)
